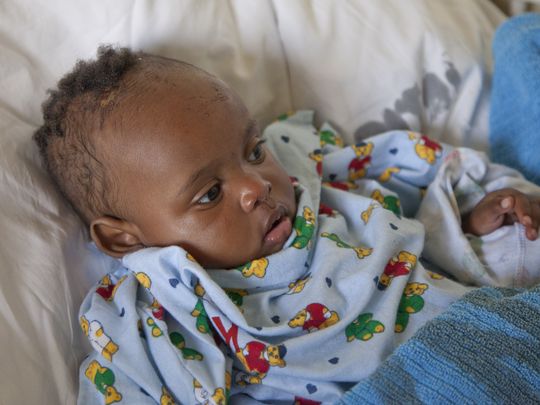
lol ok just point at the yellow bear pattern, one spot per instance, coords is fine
(366, 214)
(313, 317)
(255, 268)
(257, 358)
(411, 302)
(297, 286)
(99, 340)
(155, 329)
(426, 148)
(388, 173)
(103, 378)
(204, 397)
(144, 280)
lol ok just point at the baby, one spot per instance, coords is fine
(314, 278)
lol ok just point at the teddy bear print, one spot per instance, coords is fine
(257, 358)
(255, 268)
(166, 397)
(304, 227)
(313, 317)
(363, 328)
(177, 339)
(361, 252)
(426, 148)
(390, 202)
(204, 397)
(359, 164)
(99, 340)
(103, 378)
(107, 289)
(328, 137)
(399, 265)
(411, 303)
(202, 318)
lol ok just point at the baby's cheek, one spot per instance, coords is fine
(234, 248)
(282, 185)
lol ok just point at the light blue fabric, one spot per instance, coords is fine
(308, 322)
(515, 103)
(484, 349)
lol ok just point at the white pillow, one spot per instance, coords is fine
(45, 265)
(370, 66)
(348, 60)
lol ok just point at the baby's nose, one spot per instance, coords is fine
(254, 189)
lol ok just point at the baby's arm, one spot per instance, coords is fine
(503, 207)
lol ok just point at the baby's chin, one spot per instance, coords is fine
(253, 264)
(273, 242)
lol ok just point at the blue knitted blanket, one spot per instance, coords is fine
(484, 349)
(515, 104)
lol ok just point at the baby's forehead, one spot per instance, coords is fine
(186, 86)
(169, 75)
(160, 101)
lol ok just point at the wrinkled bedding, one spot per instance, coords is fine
(364, 66)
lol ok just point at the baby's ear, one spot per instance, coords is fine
(114, 236)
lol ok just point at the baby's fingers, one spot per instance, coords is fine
(504, 204)
(503, 207)
(524, 211)
(489, 214)
(532, 232)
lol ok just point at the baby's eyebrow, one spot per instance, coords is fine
(193, 178)
(250, 128)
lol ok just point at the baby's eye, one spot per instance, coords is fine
(257, 154)
(211, 195)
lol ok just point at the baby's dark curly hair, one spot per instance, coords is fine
(75, 111)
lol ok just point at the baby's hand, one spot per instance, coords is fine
(503, 207)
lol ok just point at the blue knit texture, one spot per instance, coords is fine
(484, 349)
(515, 104)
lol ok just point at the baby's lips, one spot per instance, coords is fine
(279, 233)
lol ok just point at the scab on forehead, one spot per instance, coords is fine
(219, 93)
(108, 98)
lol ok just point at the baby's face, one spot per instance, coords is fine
(193, 172)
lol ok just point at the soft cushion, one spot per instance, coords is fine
(364, 65)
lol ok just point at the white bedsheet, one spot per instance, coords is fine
(364, 65)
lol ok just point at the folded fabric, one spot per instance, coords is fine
(515, 105)
(307, 322)
(302, 324)
(484, 349)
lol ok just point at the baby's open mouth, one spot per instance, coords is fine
(279, 229)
